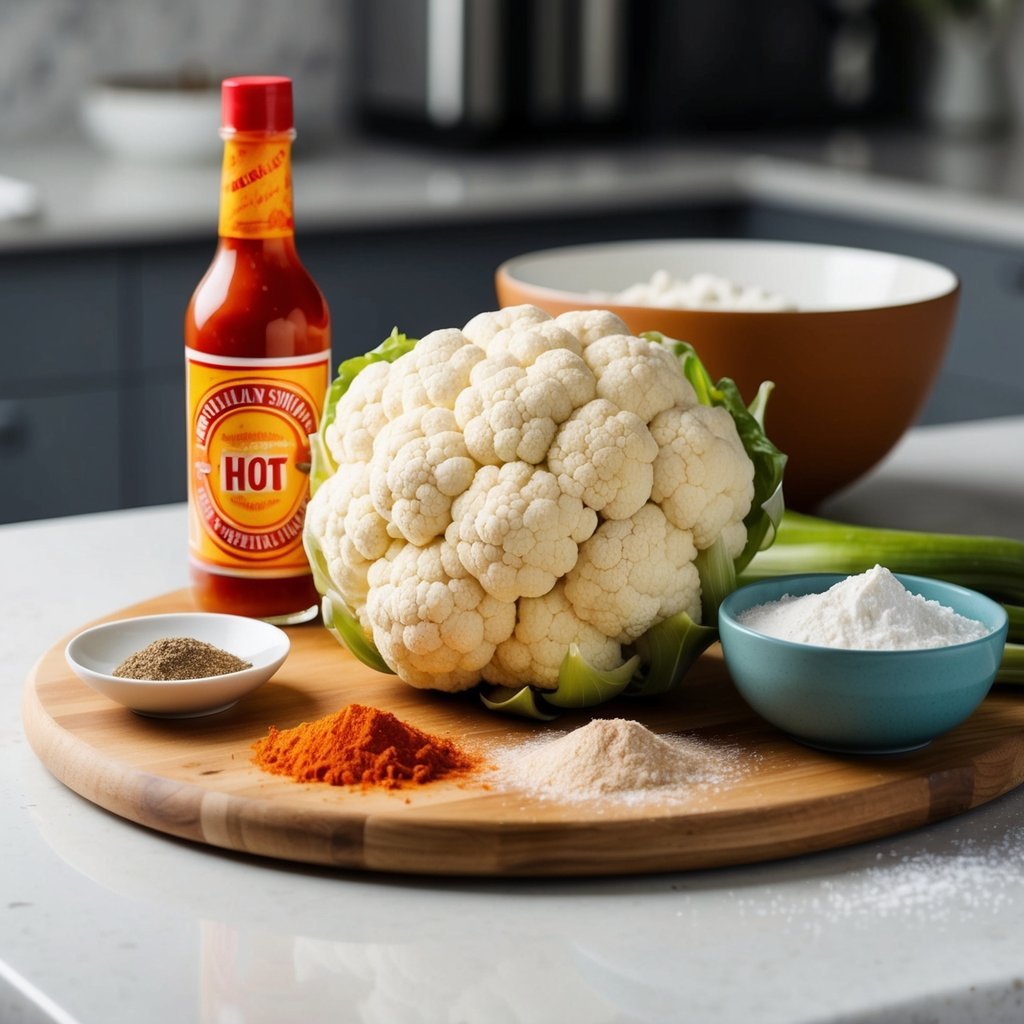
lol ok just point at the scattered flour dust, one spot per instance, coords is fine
(869, 612)
(621, 760)
(970, 877)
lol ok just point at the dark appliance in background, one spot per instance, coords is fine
(782, 64)
(482, 71)
(473, 72)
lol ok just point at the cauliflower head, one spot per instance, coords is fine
(502, 491)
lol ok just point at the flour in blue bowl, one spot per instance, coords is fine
(872, 611)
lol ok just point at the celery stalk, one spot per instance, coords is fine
(1015, 613)
(1011, 669)
(993, 565)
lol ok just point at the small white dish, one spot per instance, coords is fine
(154, 118)
(95, 653)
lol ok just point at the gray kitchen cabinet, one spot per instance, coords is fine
(60, 454)
(59, 317)
(440, 275)
(59, 394)
(159, 282)
(154, 448)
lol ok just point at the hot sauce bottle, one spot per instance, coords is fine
(257, 353)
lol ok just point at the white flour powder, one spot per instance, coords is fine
(619, 758)
(962, 878)
(869, 612)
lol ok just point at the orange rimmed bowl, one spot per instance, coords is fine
(853, 363)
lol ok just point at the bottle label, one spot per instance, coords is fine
(249, 423)
(256, 189)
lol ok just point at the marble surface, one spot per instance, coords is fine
(53, 51)
(104, 921)
(962, 189)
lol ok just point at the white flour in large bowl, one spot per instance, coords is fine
(869, 612)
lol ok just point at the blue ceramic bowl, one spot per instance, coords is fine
(865, 702)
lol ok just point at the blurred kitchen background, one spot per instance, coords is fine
(439, 137)
(474, 71)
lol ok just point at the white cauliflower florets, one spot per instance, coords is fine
(526, 342)
(421, 465)
(590, 325)
(633, 573)
(520, 485)
(638, 375)
(435, 629)
(703, 479)
(482, 329)
(358, 417)
(433, 374)
(510, 413)
(545, 628)
(605, 455)
(517, 531)
(351, 534)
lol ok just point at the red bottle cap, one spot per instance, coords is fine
(256, 103)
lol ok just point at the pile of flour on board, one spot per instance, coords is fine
(619, 759)
(869, 612)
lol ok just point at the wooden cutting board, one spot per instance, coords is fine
(193, 778)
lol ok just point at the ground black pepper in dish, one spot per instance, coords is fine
(179, 657)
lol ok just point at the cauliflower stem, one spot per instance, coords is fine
(580, 685)
(461, 488)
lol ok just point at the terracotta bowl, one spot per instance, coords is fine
(853, 364)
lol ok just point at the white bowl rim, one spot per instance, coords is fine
(276, 649)
(950, 282)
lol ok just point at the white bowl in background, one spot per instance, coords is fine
(814, 278)
(94, 654)
(150, 118)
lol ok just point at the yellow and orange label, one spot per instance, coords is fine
(256, 189)
(249, 424)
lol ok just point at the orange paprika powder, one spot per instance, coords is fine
(360, 746)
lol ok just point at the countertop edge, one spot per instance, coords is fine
(87, 200)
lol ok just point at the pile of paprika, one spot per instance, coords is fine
(360, 746)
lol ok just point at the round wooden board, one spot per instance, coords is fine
(194, 778)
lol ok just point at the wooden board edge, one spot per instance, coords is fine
(393, 843)
(183, 810)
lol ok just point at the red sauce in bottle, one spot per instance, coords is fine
(257, 345)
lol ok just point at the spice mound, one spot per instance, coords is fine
(360, 746)
(179, 657)
(620, 758)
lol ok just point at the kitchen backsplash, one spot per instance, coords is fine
(51, 50)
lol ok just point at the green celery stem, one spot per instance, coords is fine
(1011, 669)
(992, 565)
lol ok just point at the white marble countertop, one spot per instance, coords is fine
(973, 189)
(105, 922)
